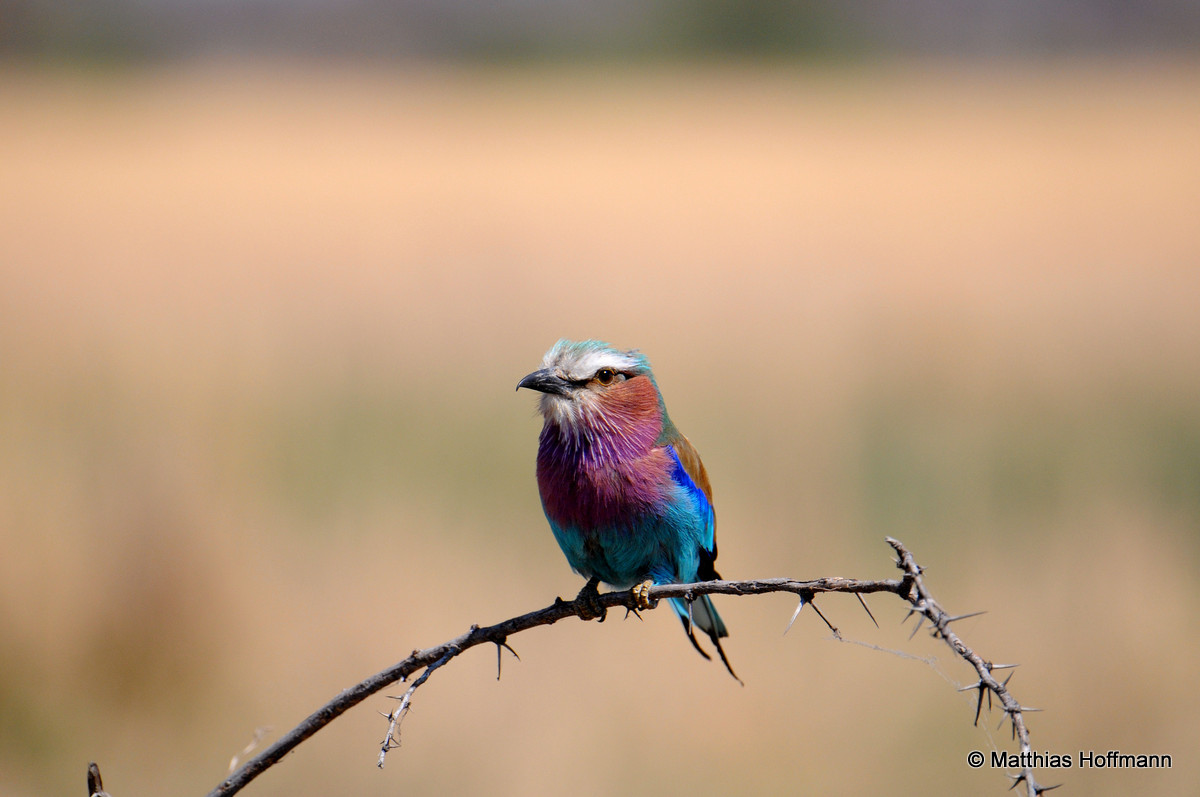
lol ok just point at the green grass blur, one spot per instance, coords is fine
(259, 332)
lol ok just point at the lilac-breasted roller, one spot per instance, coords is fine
(625, 492)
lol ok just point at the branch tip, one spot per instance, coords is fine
(94, 783)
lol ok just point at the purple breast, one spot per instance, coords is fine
(594, 480)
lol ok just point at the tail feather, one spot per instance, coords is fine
(703, 615)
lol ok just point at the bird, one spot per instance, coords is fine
(625, 493)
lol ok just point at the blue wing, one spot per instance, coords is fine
(702, 499)
(690, 474)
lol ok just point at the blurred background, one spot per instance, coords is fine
(270, 271)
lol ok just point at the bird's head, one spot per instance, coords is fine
(584, 379)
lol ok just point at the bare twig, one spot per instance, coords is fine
(927, 608)
(95, 785)
(392, 739)
(910, 587)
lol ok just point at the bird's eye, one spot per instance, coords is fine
(605, 376)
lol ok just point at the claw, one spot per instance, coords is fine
(588, 601)
(641, 595)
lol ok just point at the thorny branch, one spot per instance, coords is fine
(392, 740)
(911, 588)
(926, 608)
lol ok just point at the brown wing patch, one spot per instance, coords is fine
(690, 459)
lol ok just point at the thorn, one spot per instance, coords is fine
(920, 621)
(909, 614)
(795, 614)
(1006, 680)
(1001, 666)
(503, 644)
(1039, 789)
(630, 610)
(836, 633)
(982, 687)
(975, 685)
(867, 609)
(949, 620)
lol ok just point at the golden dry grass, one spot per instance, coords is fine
(259, 328)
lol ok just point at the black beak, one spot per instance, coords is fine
(546, 381)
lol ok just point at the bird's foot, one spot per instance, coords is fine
(588, 601)
(641, 596)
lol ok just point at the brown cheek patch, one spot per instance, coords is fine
(635, 397)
